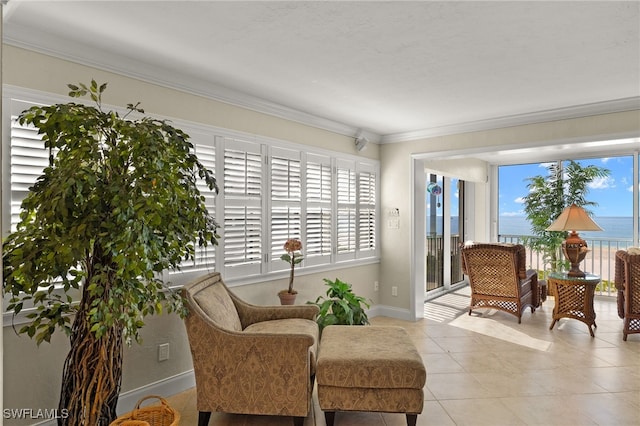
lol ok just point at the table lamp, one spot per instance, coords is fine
(573, 219)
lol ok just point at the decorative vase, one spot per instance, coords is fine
(287, 298)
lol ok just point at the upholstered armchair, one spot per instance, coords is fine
(249, 359)
(499, 279)
(627, 281)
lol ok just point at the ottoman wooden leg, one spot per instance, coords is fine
(329, 417)
(203, 418)
(412, 419)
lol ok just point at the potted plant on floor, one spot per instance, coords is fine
(292, 256)
(341, 306)
(117, 205)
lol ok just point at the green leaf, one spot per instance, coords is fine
(341, 306)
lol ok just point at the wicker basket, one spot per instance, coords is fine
(151, 415)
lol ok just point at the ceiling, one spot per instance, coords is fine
(394, 69)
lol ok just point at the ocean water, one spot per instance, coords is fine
(613, 227)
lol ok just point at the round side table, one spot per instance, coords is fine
(574, 298)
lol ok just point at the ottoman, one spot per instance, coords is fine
(369, 368)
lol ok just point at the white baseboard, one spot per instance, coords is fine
(164, 388)
(389, 311)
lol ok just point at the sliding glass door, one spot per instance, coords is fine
(444, 219)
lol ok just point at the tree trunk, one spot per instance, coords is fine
(92, 374)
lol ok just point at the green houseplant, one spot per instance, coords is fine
(117, 205)
(341, 306)
(564, 184)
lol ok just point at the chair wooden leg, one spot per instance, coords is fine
(412, 419)
(298, 421)
(329, 417)
(625, 328)
(203, 418)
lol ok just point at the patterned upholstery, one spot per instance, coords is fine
(627, 281)
(369, 368)
(249, 359)
(499, 279)
(216, 302)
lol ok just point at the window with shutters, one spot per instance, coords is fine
(27, 160)
(205, 257)
(269, 192)
(366, 209)
(286, 201)
(243, 215)
(346, 209)
(319, 216)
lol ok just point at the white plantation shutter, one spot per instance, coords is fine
(319, 212)
(28, 159)
(346, 216)
(205, 257)
(243, 236)
(285, 176)
(286, 197)
(366, 210)
(285, 224)
(243, 239)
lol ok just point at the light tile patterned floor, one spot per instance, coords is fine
(486, 369)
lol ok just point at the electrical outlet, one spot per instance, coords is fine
(163, 352)
(376, 286)
(394, 290)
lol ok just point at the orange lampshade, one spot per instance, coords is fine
(574, 218)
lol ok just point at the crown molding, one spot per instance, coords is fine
(195, 86)
(597, 108)
(165, 78)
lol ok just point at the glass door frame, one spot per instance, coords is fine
(418, 295)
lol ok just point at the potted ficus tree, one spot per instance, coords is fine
(116, 206)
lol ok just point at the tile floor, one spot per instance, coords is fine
(486, 369)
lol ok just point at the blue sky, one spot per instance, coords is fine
(613, 194)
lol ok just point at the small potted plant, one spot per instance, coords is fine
(341, 306)
(292, 256)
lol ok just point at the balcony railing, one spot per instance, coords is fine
(435, 251)
(600, 259)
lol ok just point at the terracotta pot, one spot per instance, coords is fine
(287, 298)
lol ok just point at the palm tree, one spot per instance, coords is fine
(565, 184)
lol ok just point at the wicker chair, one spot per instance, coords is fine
(499, 279)
(627, 281)
(249, 359)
